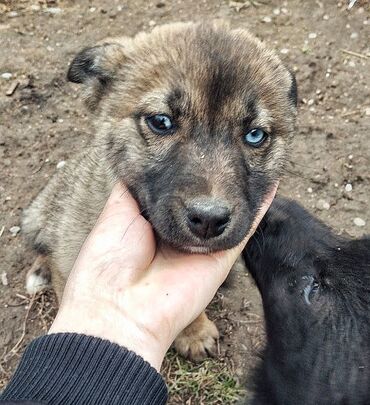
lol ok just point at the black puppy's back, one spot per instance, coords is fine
(315, 288)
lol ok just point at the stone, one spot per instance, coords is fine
(61, 164)
(348, 188)
(14, 230)
(359, 222)
(322, 205)
(6, 76)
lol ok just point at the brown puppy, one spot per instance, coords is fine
(196, 120)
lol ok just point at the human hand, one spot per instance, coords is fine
(125, 290)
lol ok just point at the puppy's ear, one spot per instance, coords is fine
(96, 68)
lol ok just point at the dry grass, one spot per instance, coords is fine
(39, 312)
(208, 383)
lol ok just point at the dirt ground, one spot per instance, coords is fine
(42, 122)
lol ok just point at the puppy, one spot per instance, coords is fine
(315, 288)
(196, 120)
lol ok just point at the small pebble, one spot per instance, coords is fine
(312, 35)
(276, 11)
(61, 164)
(152, 23)
(310, 101)
(53, 10)
(35, 7)
(359, 222)
(92, 9)
(284, 51)
(351, 63)
(266, 19)
(6, 76)
(325, 17)
(14, 230)
(322, 205)
(348, 188)
(309, 190)
(4, 278)
(354, 35)
(367, 111)
(13, 14)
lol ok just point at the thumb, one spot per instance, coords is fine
(121, 235)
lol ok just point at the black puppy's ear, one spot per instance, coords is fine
(96, 68)
(293, 91)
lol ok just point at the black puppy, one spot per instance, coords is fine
(315, 288)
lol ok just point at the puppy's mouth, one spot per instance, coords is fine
(179, 237)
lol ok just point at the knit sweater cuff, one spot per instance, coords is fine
(68, 368)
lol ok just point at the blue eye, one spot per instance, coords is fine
(160, 124)
(255, 137)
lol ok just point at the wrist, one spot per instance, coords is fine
(125, 333)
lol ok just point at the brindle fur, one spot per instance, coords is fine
(216, 83)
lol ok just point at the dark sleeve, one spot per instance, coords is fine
(68, 368)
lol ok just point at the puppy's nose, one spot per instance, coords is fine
(207, 218)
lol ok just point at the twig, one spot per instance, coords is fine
(17, 305)
(22, 296)
(2, 231)
(2, 364)
(358, 55)
(349, 113)
(16, 347)
(12, 88)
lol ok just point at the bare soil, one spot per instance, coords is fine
(42, 122)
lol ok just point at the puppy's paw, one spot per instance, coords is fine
(38, 277)
(198, 341)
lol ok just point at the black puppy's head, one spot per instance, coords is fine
(315, 288)
(197, 120)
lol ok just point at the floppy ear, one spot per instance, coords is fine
(96, 68)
